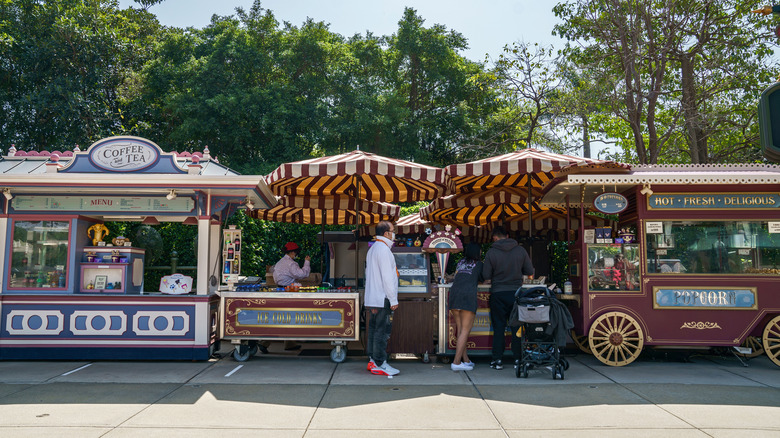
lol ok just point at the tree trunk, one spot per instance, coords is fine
(585, 136)
(697, 140)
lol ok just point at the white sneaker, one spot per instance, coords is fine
(385, 370)
(463, 366)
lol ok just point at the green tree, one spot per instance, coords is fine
(437, 92)
(682, 74)
(527, 81)
(62, 66)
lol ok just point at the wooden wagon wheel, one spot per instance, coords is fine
(616, 339)
(755, 345)
(771, 340)
(581, 341)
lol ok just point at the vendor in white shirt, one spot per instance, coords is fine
(287, 271)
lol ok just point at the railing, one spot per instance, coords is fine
(155, 273)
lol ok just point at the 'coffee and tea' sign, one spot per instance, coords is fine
(124, 154)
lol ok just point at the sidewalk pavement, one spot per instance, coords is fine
(290, 395)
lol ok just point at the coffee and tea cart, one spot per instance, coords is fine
(70, 290)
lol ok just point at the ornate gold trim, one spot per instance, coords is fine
(699, 325)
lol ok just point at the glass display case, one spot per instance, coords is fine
(413, 270)
(39, 255)
(613, 266)
(714, 247)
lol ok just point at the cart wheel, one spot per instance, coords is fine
(616, 339)
(755, 344)
(426, 358)
(444, 359)
(581, 341)
(253, 347)
(338, 354)
(241, 353)
(772, 340)
(565, 363)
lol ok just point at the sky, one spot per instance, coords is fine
(488, 25)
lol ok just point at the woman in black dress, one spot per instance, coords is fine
(463, 302)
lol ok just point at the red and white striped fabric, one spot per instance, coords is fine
(330, 210)
(478, 208)
(513, 169)
(543, 222)
(359, 174)
(409, 224)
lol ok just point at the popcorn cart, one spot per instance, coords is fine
(693, 262)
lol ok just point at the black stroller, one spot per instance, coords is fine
(536, 309)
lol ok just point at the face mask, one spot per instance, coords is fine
(392, 237)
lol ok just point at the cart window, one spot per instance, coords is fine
(39, 256)
(613, 267)
(713, 247)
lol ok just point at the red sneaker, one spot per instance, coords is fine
(371, 365)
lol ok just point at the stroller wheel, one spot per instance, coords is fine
(557, 372)
(565, 363)
(523, 370)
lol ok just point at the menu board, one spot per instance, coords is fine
(99, 203)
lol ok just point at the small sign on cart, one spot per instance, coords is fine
(176, 284)
(774, 227)
(654, 227)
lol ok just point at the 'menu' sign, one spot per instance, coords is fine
(124, 154)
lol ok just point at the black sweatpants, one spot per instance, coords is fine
(501, 303)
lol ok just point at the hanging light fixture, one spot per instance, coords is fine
(190, 221)
(249, 204)
(150, 220)
(172, 195)
(7, 194)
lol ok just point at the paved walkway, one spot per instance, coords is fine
(284, 395)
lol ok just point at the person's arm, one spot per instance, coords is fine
(298, 272)
(389, 275)
(478, 271)
(487, 268)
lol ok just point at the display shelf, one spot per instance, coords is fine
(231, 256)
(103, 277)
(107, 269)
(413, 270)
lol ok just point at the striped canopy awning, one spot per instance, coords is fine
(359, 174)
(497, 204)
(543, 222)
(328, 210)
(513, 170)
(409, 224)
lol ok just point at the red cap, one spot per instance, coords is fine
(291, 246)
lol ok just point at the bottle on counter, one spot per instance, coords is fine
(237, 244)
(230, 252)
(227, 268)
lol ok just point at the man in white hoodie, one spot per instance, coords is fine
(381, 298)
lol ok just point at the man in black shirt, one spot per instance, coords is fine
(506, 264)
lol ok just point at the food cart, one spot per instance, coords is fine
(694, 260)
(320, 315)
(70, 290)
